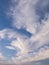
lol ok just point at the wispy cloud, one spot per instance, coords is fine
(24, 16)
(10, 47)
(1, 56)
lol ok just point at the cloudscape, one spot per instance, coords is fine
(24, 32)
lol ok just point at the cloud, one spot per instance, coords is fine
(10, 47)
(1, 56)
(18, 43)
(43, 35)
(28, 45)
(7, 32)
(24, 16)
(2, 33)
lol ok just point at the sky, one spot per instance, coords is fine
(24, 32)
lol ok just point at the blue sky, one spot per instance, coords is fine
(3, 7)
(24, 32)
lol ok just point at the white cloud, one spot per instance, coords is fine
(24, 16)
(25, 46)
(18, 43)
(7, 32)
(2, 33)
(10, 47)
(40, 55)
(43, 35)
(1, 56)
